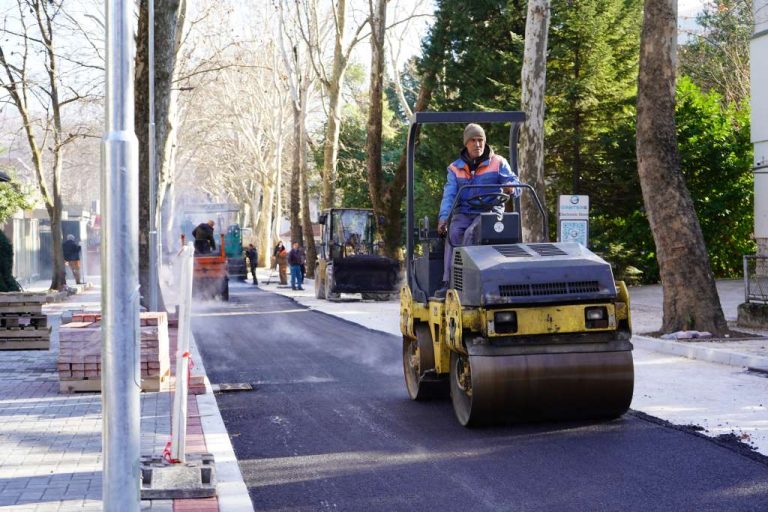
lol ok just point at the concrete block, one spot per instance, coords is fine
(196, 478)
(752, 315)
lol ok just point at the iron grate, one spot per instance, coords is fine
(539, 289)
(584, 287)
(515, 290)
(458, 278)
(512, 251)
(549, 289)
(547, 249)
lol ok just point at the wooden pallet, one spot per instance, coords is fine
(34, 308)
(25, 344)
(156, 383)
(68, 386)
(23, 321)
(23, 326)
(13, 297)
(93, 384)
(25, 332)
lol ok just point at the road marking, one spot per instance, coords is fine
(304, 380)
(245, 313)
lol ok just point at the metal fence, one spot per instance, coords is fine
(24, 235)
(756, 279)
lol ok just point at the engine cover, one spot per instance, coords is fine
(486, 275)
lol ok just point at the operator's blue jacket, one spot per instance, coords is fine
(489, 169)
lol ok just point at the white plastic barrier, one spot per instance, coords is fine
(179, 423)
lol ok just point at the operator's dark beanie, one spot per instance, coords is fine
(473, 130)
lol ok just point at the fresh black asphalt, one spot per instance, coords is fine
(329, 426)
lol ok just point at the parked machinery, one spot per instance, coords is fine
(210, 277)
(349, 259)
(526, 330)
(225, 217)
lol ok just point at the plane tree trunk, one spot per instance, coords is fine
(168, 19)
(690, 295)
(534, 75)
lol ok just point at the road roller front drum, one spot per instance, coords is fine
(493, 389)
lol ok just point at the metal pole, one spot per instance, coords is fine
(746, 278)
(179, 426)
(758, 47)
(119, 266)
(153, 253)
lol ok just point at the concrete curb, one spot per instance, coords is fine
(230, 487)
(712, 355)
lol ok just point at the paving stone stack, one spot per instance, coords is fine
(23, 325)
(79, 362)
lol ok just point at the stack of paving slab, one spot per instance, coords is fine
(23, 325)
(79, 362)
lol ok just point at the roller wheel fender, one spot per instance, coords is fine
(453, 321)
(418, 366)
(406, 312)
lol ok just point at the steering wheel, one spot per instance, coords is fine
(488, 200)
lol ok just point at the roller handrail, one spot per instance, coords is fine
(545, 224)
(515, 119)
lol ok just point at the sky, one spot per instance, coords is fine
(686, 16)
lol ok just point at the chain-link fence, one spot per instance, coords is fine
(756, 279)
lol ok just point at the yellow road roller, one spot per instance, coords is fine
(526, 331)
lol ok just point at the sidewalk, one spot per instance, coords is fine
(50, 443)
(716, 386)
(745, 352)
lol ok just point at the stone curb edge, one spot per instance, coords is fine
(711, 355)
(231, 490)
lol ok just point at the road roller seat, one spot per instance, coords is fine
(494, 228)
(428, 266)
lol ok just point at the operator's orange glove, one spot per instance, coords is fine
(442, 227)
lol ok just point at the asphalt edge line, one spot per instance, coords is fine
(727, 441)
(711, 355)
(231, 490)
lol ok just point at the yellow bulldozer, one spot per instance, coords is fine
(526, 331)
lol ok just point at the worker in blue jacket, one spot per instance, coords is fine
(477, 165)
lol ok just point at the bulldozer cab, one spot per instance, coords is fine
(348, 232)
(351, 259)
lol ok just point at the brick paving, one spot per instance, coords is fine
(50, 443)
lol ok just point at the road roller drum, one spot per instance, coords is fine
(489, 389)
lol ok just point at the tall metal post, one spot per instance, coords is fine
(120, 375)
(759, 123)
(153, 252)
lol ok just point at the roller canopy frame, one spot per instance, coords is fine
(516, 119)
